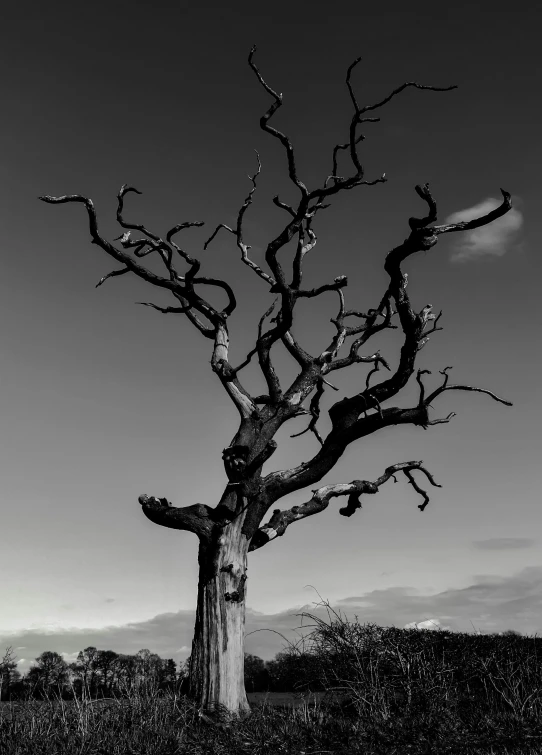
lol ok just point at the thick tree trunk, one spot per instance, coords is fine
(217, 659)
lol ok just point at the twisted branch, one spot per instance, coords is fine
(264, 124)
(280, 520)
(194, 518)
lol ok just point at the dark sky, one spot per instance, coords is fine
(103, 399)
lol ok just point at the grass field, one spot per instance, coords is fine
(280, 723)
(396, 692)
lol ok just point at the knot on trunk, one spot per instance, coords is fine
(425, 237)
(238, 595)
(235, 461)
(224, 370)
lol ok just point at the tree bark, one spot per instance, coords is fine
(217, 661)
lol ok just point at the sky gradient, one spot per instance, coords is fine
(102, 399)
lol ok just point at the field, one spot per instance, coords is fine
(149, 725)
(360, 690)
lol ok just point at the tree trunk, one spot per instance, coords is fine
(217, 659)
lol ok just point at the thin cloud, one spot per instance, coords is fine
(494, 239)
(504, 543)
(70, 657)
(491, 603)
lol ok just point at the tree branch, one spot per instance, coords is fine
(238, 232)
(422, 237)
(302, 357)
(175, 284)
(165, 310)
(194, 518)
(468, 225)
(358, 178)
(315, 412)
(399, 89)
(264, 124)
(280, 520)
(368, 329)
(340, 282)
(117, 254)
(228, 376)
(181, 287)
(446, 387)
(125, 189)
(113, 274)
(255, 349)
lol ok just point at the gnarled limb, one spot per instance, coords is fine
(165, 310)
(368, 329)
(281, 483)
(321, 497)
(174, 283)
(468, 225)
(354, 139)
(181, 287)
(278, 484)
(255, 349)
(264, 123)
(113, 274)
(228, 376)
(446, 387)
(302, 357)
(422, 237)
(238, 232)
(194, 518)
(314, 409)
(117, 254)
(302, 249)
(300, 220)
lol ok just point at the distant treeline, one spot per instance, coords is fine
(104, 673)
(341, 650)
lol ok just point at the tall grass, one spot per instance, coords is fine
(383, 691)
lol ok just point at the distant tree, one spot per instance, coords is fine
(9, 676)
(291, 671)
(235, 526)
(106, 666)
(168, 676)
(85, 672)
(256, 674)
(126, 672)
(149, 669)
(49, 675)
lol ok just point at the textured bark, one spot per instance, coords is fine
(217, 659)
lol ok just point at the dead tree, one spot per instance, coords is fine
(236, 526)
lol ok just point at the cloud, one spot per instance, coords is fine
(491, 603)
(70, 657)
(427, 624)
(494, 239)
(504, 543)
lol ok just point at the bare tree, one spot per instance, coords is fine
(235, 526)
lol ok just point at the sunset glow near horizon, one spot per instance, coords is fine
(103, 399)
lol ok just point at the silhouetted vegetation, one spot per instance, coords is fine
(349, 688)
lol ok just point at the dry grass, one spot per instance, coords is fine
(388, 692)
